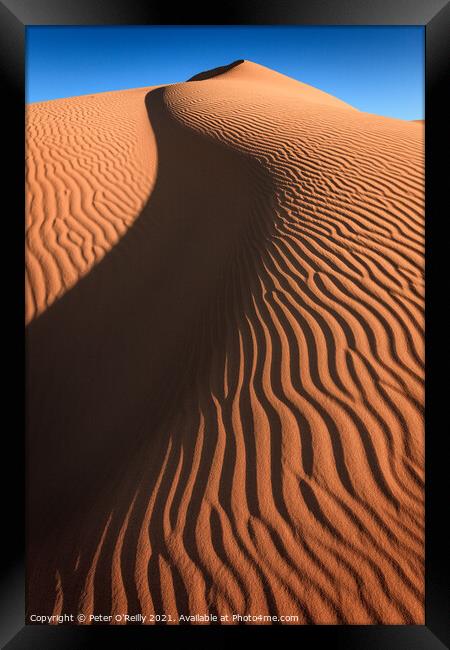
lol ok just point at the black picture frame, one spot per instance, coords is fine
(434, 15)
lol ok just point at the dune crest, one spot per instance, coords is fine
(249, 353)
(215, 72)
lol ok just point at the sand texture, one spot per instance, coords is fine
(225, 291)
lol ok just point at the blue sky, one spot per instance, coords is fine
(376, 69)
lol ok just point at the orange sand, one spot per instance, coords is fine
(225, 354)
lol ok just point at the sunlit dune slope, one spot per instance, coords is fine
(90, 166)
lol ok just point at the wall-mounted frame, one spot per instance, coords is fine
(434, 15)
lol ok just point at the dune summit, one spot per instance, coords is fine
(225, 355)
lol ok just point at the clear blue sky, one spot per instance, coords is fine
(376, 69)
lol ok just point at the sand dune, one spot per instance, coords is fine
(225, 354)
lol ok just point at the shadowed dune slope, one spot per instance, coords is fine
(225, 404)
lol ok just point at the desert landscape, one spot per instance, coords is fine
(224, 346)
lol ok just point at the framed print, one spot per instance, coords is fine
(231, 218)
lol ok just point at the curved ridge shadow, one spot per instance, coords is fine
(105, 361)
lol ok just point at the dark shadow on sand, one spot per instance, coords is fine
(107, 360)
